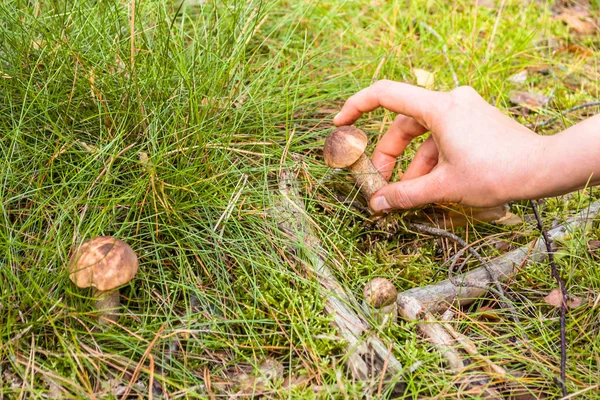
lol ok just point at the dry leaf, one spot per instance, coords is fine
(487, 313)
(554, 299)
(577, 20)
(575, 49)
(519, 77)
(509, 219)
(424, 78)
(528, 100)
(574, 302)
(499, 244)
(594, 245)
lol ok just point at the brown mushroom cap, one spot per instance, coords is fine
(344, 146)
(380, 292)
(103, 262)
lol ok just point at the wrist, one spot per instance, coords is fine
(563, 163)
(533, 172)
(544, 176)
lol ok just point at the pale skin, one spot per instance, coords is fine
(475, 155)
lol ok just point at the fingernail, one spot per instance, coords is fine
(337, 115)
(379, 203)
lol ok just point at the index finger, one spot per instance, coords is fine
(397, 97)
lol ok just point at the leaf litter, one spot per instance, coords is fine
(554, 299)
(529, 100)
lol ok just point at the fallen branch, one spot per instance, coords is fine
(506, 303)
(340, 304)
(439, 296)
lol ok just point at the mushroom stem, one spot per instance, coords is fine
(366, 176)
(107, 304)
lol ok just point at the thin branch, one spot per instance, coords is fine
(563, 305)
(506, 302)
(411, 309)
(547, 122)
(471, 349)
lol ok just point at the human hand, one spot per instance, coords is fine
(475, 156)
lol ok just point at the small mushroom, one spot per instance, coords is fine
(104, 263)
(380, 300)
(345, 148)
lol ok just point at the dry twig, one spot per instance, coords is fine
(563, 306)
(547, 122)
(412, 310)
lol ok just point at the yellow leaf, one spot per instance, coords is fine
(424, 78)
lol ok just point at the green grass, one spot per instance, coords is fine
(220, 96)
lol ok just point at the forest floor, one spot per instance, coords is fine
(168, 125)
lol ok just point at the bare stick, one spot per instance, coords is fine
(439, 296)
(563, 113)
(563, 305)
(470, 348)
(296, 224)
(412, 310)
(471, 250)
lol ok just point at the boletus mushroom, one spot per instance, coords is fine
(345, 148)
(104, 263)
(380, 300)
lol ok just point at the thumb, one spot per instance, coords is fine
(408, 194)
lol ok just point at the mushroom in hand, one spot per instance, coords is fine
(104, 263)
(345, 148)
(380, 300)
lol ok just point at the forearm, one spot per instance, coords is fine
(571, 159)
